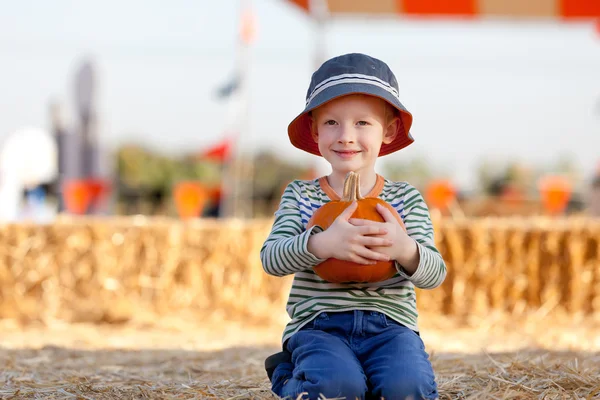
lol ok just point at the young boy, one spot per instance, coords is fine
(352, 340)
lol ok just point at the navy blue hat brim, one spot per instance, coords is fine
(299, 129)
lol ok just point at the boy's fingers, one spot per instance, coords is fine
(347, 213)
(386, 213)
(362, 222)
(372, 255)
(361, 260)
(373, 241)
(355, 255)
(379, 256)
(373, 229)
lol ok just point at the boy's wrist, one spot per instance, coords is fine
(408, 256)
(316, 245)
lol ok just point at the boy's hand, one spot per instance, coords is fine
(345, 241)
(403, 248)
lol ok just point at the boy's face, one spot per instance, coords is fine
(350, 131)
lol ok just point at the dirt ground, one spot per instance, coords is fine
(186, 358)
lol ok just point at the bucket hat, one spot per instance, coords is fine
(353, 73)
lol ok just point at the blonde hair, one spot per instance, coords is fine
(390, 112)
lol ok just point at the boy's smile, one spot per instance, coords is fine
(346, 154)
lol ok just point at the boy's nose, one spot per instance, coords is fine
(346, 135)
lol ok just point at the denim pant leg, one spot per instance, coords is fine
(322, 365)
(396, 363)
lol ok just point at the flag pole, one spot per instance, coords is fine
(239, 178)
(244, 200)
(319, 12)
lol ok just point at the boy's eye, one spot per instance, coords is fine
(362, 123)
(330, 122)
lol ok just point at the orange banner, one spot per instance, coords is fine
(438, 7)
(580, 8)
(519, 8)
(557, 9)
(363, 7)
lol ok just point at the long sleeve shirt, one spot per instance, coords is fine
(285, 252)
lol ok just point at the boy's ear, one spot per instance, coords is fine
(391, 131)
(313, 129)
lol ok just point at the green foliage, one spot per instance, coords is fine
(139, 168)
(418, 171)
(142, 172)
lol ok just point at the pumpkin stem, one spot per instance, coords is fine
(348, 188)
(357, 187)
(352, 187)
(346, 194)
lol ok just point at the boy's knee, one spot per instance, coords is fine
(346, 384)
(281, 375)
(409, 387)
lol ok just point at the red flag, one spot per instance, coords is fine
(219, 152)
(305, 4)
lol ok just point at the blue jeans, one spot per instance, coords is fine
(355, 354)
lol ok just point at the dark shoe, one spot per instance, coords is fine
(273, 361)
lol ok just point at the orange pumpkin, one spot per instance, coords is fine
(339, 271)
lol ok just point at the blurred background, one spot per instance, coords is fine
(141, 97)
(144, 149)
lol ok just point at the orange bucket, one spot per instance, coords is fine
(440, 193)
(190, 198)
(556, 193)
(77, 195)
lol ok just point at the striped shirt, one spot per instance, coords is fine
(285, 252)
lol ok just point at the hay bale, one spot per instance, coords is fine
(115, 269)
